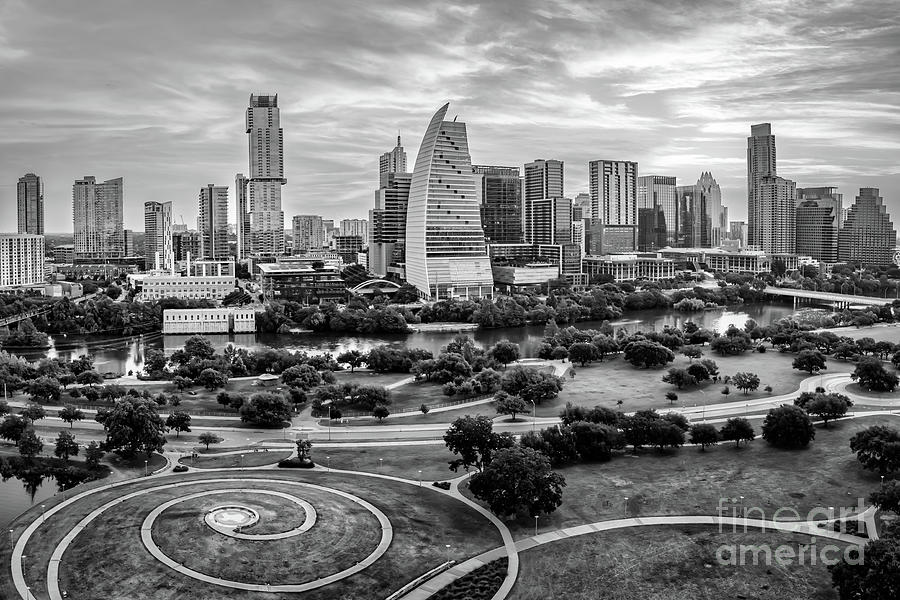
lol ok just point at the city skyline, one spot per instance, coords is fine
(677, 109)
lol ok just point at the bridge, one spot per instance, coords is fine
(839, 300)
(369, 287)
(43, 310)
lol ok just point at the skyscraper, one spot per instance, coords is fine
(445, 250)
(614, 192)
(658, 218)
(242, 228)
(543, 179)
(30, 204)
(391, 162)
(213, 222)
(309, 233)
(499, 194)
(359, 227)
(387, 221)
(868, 235)
(158, 249)
(97, 219)
(700, 213)
(818, 223)
(771, 200)
(266, 176)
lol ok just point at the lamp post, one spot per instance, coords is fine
(536, 517)
(328, 461)
(626, 506)
(448, 552)
(146, 467)
(10, 538)
(44, 510)
(380, 465)
(242, 462)
(420, 478)
(533, 415)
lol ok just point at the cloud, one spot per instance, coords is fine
(155, 92)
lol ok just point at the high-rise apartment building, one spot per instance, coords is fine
(388, 225)
(499, 194)
(658, 218)
(213, 222)
(158, 249)
(358, 227)
(868, 235)
(700, 213)
(552, 221)
(21, 259)
(445, 250)
(391, 162)
(186, 243)
(30, 204)
(309, 233)
(771, 200)
(98, 221)
(613, 185)
(543, 179)
(263, 196)
(242, 227)
(818, 223)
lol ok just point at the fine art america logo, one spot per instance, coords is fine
(733, 517)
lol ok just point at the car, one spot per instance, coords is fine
(192, 393)
(179, 469)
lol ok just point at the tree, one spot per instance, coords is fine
(200, 347)
(711, 367)
(878, 449)
(595, 442)
(211, 379)
(4, 407)
(734, 341)
(680, 378)
(872, 375)
(698, 372)
(605, 345)
(519, 481)
(788, 427)
(703, 435)
(352, 358)
(33, 412)
(92, 455)
(182, 383)
(43, 389)
(509, 405)
(133, 426)
(829, 406)
(267, 409)
(582, 352)
(664, 434)
(155, 362)
(811, 361)
(875, 578)
(380, 412)
(12, 428)
(474, 440)
(305, 377)
(737, 429)
(644, 353)
(90, 378)
(179, 421)
(30, 444)
(531, 384)
(746, 382)
(65, 446)
(208, 438)
(888, 497)
(672, 397)
(505, 352)
(637, 428)
(70, 414)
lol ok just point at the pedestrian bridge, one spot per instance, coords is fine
(839, 300)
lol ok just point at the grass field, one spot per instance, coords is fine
(667, 563)
(399, 461)
(424, 522)
(250, 459)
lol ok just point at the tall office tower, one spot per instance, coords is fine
(711, 195)
(543, 179)
(98, 221)
(737, 230)
(388, 223)
(213, 222)
(266, 176)
(358, 227)
(818, 223)
(130, 248)
(445, 250)
(242, 228)
(614, 192)
(868, 235)
(309, 233)
(391, 162)
(771, 200)
(552, 221)
(30, 204)
(158, 249)
(499, 194)
(700, 213)
(656, 194)
(186, 243)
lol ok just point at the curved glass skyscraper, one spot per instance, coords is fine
(445, 249)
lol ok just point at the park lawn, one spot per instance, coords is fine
(397, 461)
(251, 459)
(671, 563)
(424, 522)
(879, 333)
(447, 416)
(369, 377)
(606, 383)
(688, 481)
(413, 395)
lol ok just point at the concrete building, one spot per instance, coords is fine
(30, 204)
(737, 230)
(868, 235)
(213, 222)
(242, 227)
(551, 221)
(614, 191)
(771, 200)
(818, 223)
(208, 320)
(499, 194)
(526, 277)
(358, 227)
(130, 248)
(658, 215)
(304, 284)
(21, 259)
(446, 254)
(728, 261)
(63, 254)
(601, 239)
(629, 267)
(543, 179)
(309, 233)
(348, 246)
(158, 249)
(263, 125)
(156, 287)
(206, 268)
(99, 231)
(185, 243)
(387, 221)
(391, 162)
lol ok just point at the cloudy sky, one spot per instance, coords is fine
(155, 92)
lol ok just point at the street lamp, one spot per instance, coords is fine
(11, 534)
(328, 459)
(533, 415)
(380, 464)
(242, 462)
(146, 466)
(44, 510)
(448, 552)
(536, 517)
(626, 506)
(420, 478)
